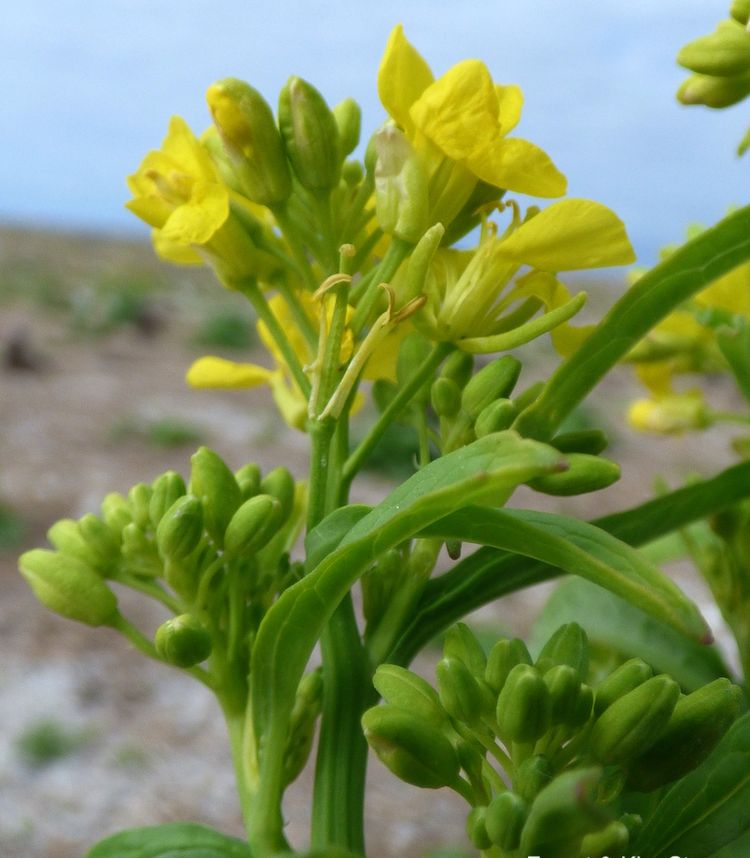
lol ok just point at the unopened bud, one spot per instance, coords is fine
(458, 367)
(716, 92)
(348, 116)
(461, 643)
(494, 381)
(307, 706)
(504, 820)
(523, 707)
(532, 776)
(248, 479)
(445, 397)
(101, 541)
(66, 537)
(568, 645)
(68, 587)
(248, 129)
(503, 657)
(459, 692)
(418, 267)
(496, 417)
(584, 474)
(252, 526)
(166, 490)
(591, 441)
(403, 688)
(401, 195)
(411, 748)
(723, 53)
(140, 498)
(620, 682)
(180, 529)
(740, 10)
(632, 724)
(214, 484)
(564, 686)
(476, 829)
(310, 134)
(611, 840)
(183, 641)
(139, 552)
(280, 484)
(117, 513)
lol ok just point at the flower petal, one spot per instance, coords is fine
(171, 251)
(520, 166)
(197, 220)
(185, 149)
(459, 111)
(570, 235)
(216, 372)
(402, 77)
(509, 106)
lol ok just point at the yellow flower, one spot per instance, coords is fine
(473, 299)
(672, 414)
(178, 191)
(457, 126)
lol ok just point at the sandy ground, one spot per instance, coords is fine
(152, 746)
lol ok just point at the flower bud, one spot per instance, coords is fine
(307, 706)
(180, 529)
(213, 483)
(632, 724)
(628, 676)
(101, 541)
(496, 417)
(523, 707)
(568, 645)
(250, 135)
(253, 525)
(445, 397)
(66, 537)
(279, 483)
(166, 490)
(723, 53)
(461, 643)
(401, 196)
(459, 692)
(697, 725)
(476, 829)
(564, 686)
(139, 552)
(412, 285)
(406, 690)
(68, 587)
(348, 118)
(714, 92)
(310, 134)
(183, 641)
(352, 173)
(503, 657)
(140, 498)
(494, 381)
(740, 10)
(591, 441)
(116, 511)
(584, 706)
(532, 776)
(562, 814)
(584, 474)
(611, 840)
(411, 748)
(504, 820)
(458, 367)
(248, 479)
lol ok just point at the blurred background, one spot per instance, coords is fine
(96, 334)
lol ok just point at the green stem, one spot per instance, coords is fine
(300, 316)
(150, 588)
(366, 294)
(395, 407)
(289, 231)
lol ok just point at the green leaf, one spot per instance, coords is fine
(734, 343)
(327, 536)
(486, 471)
(688, 270)
(708, 811)
(581, 549)
(616, 624)
(174, 840)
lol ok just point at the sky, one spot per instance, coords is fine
(89, 89)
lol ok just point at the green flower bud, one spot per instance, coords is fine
(253, 525)
(445, 397)
(568, 645)
(404, 689)
(252, 140)
(523, 706)
(564, 685)
(496, 417)
(504, 820)
(68, 587)
(494, 381)
(584, 706)
(348, 118)
(532, 776)
(66, 537)
(591, 441)
(352, 173)
(183, 641)
(410, 747)
(628, 676)
(563, 813)
(723, 53)
(248, 479)
(632, 724)
(140, 498)
(401, 195)
(184, 575)
(310, 134)
(503, 657)
(697, 725)
(716, 92)
(461, 643)
(180, 529)
(611, 840)
(412, 285)
(139, 552)
(307, 706)
(459, 692)
(213, 483)
(101, 541)
(279, 483)
(458, 367)
(166, 490)
(740, 10)
(116, 511)
(584, 474)
(476, 829)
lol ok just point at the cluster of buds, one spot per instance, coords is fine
(213, 549)
(546, 760)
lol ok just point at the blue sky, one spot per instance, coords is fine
(89, 89)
